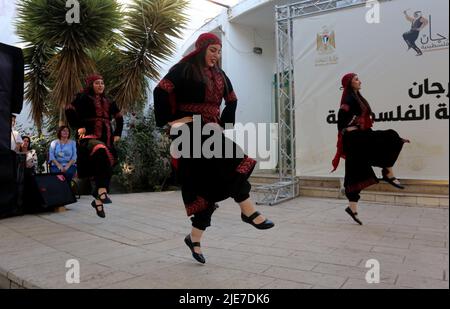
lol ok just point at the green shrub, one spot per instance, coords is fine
(144, 159)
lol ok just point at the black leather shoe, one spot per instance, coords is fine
(392, 180)
(198, 257)
(99, 209)
(262, 226)
(104, 198)
(353, 215)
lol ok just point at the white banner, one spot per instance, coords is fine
(407, 93)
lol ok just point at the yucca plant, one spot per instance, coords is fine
(37, 80)
(126, 45)
(149, 29)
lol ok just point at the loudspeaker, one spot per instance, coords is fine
(11, 89)
(12, 167)
(49, 191)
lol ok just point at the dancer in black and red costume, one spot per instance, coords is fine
(197, 86)
(91, 114)
(362, 147)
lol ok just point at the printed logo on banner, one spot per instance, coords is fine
(326, 47)
(432, 40)
(423, 35)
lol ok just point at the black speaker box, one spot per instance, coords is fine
(11, 89)
(12, 167)
(49, 191)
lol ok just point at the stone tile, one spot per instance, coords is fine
(13, 262)
(3, 272)
(118, 252)
(354, 272)
(251, 265)
(428, 201)
(307, 277)
(328, 258)
(262, 249)
(180, 276)
(438, 260)
(131, 259)
(105, 278)
(288, 262)
(362, 284)
(44, 269)
(312, 246)
(149, 266)
(165, 244)
(211, 252)
(298, 246)
(444, 202)
(5, 283)
(417, 270)
(406, 200)
(252, 281)
(383, 258)
(428, 245)
(285, 284)
(368, 197)
(432, 236)
(88, 271)
(15, 286)
(421, 282)
(141, 282)
(388, 199)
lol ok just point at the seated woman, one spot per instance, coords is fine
(32, 160)
(31, 164)
(63, 154)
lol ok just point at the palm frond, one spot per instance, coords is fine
(45, 21)
(148, 40)
(36, 80)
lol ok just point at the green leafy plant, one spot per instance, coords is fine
(144, 157)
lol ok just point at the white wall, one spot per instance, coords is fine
(251, 74)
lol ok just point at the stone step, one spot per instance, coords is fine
(263, 179)
(411, 186)
(390, 198)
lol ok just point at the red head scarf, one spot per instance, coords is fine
(347, 85)
(90, 81)
(347, 88)
(365, 121)
(202, 43)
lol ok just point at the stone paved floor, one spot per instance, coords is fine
(315, 244)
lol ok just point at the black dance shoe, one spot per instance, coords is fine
(99, 209)
(198, 257)
(353, 215)
(103, 197)
(262, 226)
(391, 180)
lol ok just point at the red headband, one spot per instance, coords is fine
(347, 80)
(92, 78)
(202, 43)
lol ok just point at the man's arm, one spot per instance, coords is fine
(425, 23)
(408, 18)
